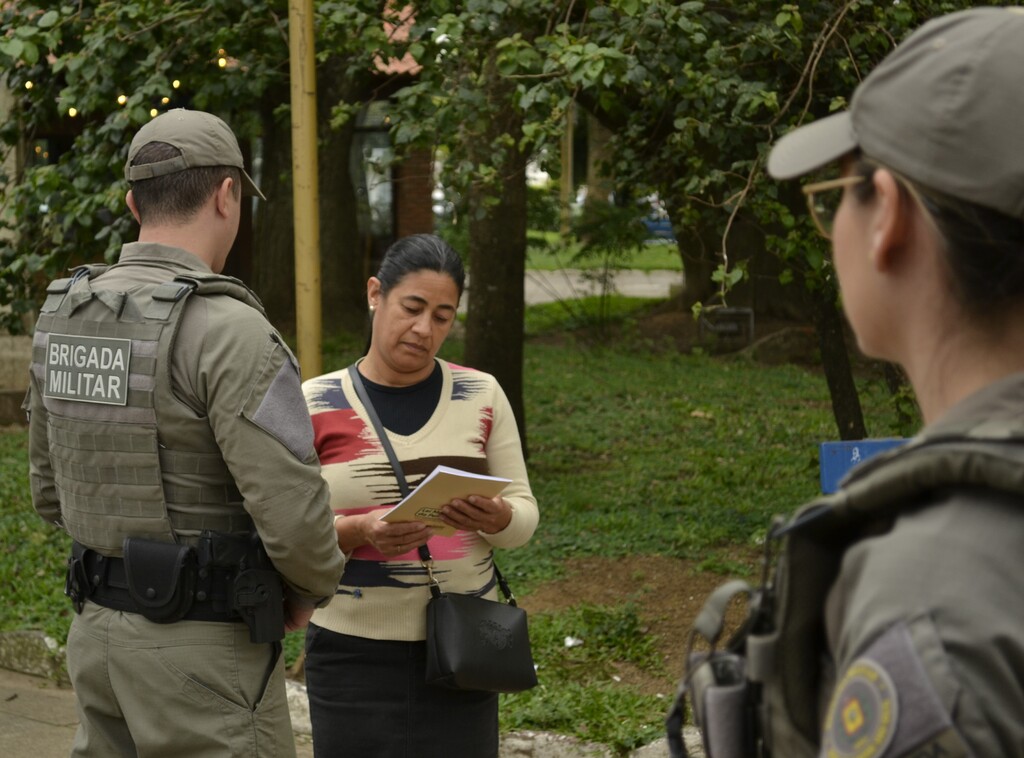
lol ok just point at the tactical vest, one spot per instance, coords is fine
(784, 640)
(128, 458)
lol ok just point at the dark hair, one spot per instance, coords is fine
(177, 196)
(984, 248)
(420, 252)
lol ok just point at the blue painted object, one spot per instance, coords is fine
(836, 458)
(659, 229)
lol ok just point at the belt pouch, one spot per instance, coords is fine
(161, 578)
(719, 695)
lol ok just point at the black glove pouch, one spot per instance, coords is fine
(161, 578)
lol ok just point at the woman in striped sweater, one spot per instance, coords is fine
(365, 652)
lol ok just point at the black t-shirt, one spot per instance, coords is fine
(404, 410)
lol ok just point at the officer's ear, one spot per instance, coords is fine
(891, 222)
(129, 200)
(225, 195)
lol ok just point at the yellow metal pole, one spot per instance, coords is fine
(305, 186)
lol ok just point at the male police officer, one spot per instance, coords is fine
(170, 438)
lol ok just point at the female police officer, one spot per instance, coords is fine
(893, 623)
(907, 582)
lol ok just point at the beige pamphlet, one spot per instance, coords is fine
(439, 488)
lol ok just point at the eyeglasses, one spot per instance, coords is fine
(823, 200)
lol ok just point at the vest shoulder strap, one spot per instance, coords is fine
(219, 284)
(166, 296)
(57, 290)
(990, 456)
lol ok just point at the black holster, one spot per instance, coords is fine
(76, 582)
(257, 591)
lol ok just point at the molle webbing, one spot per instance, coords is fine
(114, 476)
(91, 464)
(200, 493)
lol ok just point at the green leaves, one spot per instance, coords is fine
(48, 19)
(730, 277)
(790, 16)
(91, 74)
(692, 91)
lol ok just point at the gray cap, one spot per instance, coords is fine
(945, 109)
(204, 140)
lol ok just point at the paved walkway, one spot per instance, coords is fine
(38, 718)
(569, 284)
(548, 286)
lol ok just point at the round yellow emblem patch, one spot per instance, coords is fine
(862, 716)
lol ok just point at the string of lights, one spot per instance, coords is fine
(223, 61)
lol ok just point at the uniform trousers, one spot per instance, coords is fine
(370, 698)
(195, 689)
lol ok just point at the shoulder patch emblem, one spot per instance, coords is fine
(863, 714)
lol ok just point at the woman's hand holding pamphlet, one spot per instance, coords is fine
(439, 488)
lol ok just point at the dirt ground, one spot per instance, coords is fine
(668, 593)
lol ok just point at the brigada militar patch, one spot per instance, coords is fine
(87, 369)
(862, 718)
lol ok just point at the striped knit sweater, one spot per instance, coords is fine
(473, 429)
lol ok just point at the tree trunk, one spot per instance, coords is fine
(497, 267)
(344, 270)
(835, 359)
(697, 252)
(600, 183)
(343, 252)
(273, 275)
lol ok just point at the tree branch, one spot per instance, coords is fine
(811, 66)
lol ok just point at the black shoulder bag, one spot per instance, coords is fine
(472, 643)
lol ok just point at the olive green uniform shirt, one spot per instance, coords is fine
(936, 605)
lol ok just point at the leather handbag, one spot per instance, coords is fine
(472, 643)
(478, 644)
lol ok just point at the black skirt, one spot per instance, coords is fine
(369, 698)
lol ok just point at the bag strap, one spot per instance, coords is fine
(357, 382)
(425, 558)
(675, 720)
(711, 619)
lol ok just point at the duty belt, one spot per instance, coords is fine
(104, 580)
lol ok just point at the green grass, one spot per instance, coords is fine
(633, 450)
(577, 692)
(32, 554)
(584, 312)
(546, 252)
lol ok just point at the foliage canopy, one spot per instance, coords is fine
(693, 92)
